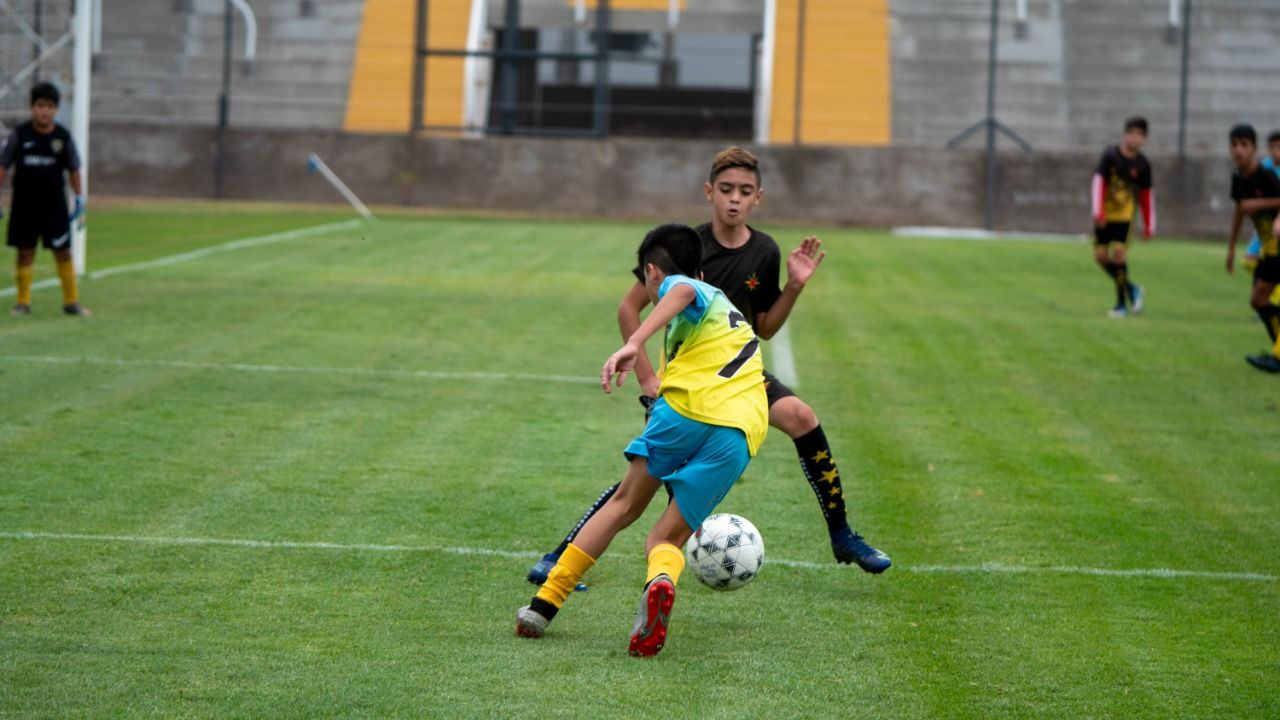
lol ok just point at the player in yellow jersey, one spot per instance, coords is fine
(746, 264)
(709, 419)
(1121, 182)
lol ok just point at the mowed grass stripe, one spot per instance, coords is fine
(1004, 441)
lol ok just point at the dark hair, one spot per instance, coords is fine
(676, 250)
(1137, 122)
(45, 91)
(1244, 131)
(734, 157)
(1274, 137)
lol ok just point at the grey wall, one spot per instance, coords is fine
(1082, 66)
(649, 179)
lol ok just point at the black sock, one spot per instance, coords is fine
(1122, 282)
(823, 476)
(1110, 269)
(1270, 316)
(595, 507)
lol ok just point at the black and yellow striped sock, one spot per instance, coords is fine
(23, 278)
(1270, 316)
(823, 476)
(67, 274)
(665, 559)
(573, 564)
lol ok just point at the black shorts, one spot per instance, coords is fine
(1268, 270)
(774, 389)
(1112, 232)
(29, 225)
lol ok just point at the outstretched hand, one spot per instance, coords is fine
(804, 260)
(620, 363)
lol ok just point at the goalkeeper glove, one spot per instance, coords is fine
(78, 212)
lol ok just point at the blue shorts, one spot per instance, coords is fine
(697, 462)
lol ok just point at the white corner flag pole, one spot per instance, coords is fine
(315, 163)
(80, 122)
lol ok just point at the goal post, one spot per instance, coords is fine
(82, 28)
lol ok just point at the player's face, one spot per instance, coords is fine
(1275, 151)
(1134, 140)
(1242, 153)
(734, 195)
(42, 114)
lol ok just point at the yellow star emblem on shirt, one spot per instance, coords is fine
(830, 476)
(822, 455)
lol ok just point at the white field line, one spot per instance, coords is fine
(984, 569)
(957, 233)
(782, 361)
(299, 369)
(202, 252)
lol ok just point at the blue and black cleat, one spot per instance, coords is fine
(541, 569)
(849, 547)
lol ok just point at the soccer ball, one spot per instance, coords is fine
(725, 553)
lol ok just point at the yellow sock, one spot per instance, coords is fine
(1275, 296)
(667, 559)
(67, 273)
(24, 277)
(573, 564)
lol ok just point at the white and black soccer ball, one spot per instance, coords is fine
(726, 553)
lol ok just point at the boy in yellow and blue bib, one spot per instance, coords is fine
(708, 422)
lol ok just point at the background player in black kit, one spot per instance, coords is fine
(41, 151)
(744, 263)
(1123, 177)
(1256, 192)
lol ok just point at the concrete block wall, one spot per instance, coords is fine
(1083, 66)
(166, 63)
(647, 178)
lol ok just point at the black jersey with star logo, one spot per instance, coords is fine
(39, 159)
(747, 275)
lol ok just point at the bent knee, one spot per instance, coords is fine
(793, 416)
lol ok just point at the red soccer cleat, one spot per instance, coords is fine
(650, 631)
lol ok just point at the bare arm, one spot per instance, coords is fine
(73, 176)
(801, 264)
(633, 303)
(624, 360)
(1253, 205)
(1237, 219)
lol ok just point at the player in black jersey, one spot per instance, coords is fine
(1256, 192)
(745, 264)
(1122, 179)
(42, 151)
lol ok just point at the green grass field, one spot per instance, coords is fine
(305, 478)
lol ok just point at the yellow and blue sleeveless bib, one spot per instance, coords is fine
(711, 366)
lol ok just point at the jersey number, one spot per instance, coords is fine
(735, 319)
